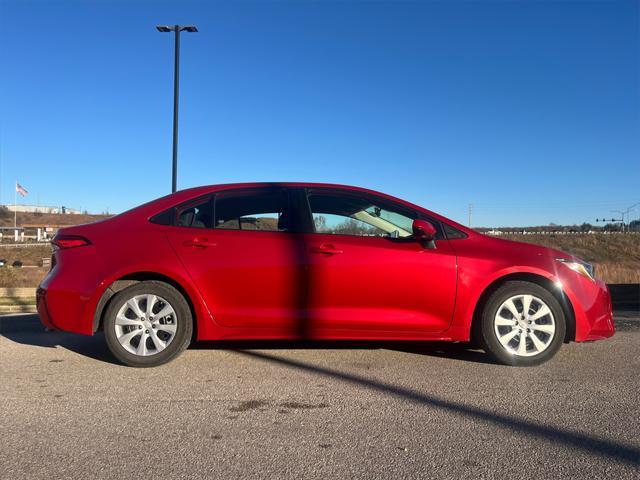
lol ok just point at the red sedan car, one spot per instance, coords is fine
(312, 261)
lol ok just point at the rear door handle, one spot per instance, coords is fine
(326, 249)
(200, 242)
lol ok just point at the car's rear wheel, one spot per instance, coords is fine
(148, 324)
(522, 324)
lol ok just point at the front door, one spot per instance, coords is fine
(367, 274)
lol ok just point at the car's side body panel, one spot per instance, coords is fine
(377, 283)
(268, 285)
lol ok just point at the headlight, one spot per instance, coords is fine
(583, 268)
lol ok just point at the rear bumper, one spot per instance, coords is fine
(64, 306)
(43, 311)
(63, 311)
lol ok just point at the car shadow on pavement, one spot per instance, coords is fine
(27, 330)
(453, 351)
(619, 452)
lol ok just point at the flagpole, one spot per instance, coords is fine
(15, 206)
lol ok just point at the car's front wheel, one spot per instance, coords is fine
(147, 324)
(522, 324)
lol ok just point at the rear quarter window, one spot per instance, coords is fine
(453, 233)
(196, 213)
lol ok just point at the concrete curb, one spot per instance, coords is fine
(12, 292)
(17, 309)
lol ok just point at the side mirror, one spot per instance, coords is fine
(425, 233)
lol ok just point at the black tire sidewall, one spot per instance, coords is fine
(184, 324)
(490, 341)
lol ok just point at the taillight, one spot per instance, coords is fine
(69, 241)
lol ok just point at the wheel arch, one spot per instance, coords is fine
(131, 279)
(544, 282)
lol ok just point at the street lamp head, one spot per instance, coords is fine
(172, 28)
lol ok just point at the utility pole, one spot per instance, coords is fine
(470, 213)
(176, 80)
(628, 212)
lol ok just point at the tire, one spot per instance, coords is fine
(501, 333)
(166, 328)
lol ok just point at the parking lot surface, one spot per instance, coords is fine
(324, 410)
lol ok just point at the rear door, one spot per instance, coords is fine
(240, 250)
(367, 276)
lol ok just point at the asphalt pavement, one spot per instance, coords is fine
(323, 410)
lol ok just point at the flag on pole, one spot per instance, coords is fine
(21, 190)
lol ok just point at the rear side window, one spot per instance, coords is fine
(261, 210)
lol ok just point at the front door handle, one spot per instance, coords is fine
(326, 249)
(199, 242)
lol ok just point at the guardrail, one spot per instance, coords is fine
(625, 296)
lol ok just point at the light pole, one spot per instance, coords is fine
(621, 216)
(176, 80)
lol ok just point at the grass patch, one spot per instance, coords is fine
(27, 255)
(21, 277)
(616, 257)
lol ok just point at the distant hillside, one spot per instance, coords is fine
(616, 256)
(6, 219)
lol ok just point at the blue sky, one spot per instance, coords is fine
(530, 111)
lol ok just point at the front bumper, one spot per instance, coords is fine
(593, 311)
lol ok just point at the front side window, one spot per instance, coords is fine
(352, 214)
(255, 210)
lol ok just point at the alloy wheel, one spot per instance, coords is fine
(524, 325)
(146, 324)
